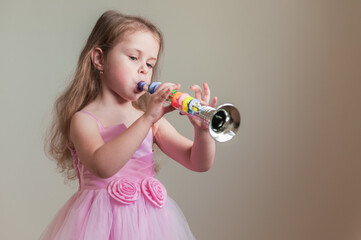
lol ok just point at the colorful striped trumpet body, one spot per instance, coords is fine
(223, 122)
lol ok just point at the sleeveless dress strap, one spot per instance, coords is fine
(91, 115)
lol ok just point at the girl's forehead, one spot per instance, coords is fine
(140, 40)
(139, 37)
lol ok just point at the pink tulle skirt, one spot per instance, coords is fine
(93, 215)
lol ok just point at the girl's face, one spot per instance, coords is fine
(130, 61)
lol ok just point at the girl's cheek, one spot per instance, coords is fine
(150, 74)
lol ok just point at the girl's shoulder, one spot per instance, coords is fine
(83, 125)
(83, 116)
(107, 117)
(84, 120)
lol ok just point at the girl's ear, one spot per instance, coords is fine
(97, 57)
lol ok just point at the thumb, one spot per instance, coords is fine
(168, 109)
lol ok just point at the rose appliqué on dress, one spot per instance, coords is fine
(127, 192)
(154, 190)
(124, 191)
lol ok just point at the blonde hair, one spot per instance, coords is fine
(85, 85)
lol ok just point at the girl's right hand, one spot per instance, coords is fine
(156, 109)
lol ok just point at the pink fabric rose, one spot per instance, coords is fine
(154, 191)
(124, 190)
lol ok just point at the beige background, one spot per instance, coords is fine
(291, 67)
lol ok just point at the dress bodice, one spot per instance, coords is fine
(138, 167)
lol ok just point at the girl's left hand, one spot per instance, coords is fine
(204, 98)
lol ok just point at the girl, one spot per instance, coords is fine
(103, 131)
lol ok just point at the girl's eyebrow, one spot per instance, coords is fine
(139, 51)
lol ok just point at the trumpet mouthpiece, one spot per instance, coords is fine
(141, 85)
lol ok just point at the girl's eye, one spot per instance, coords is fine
(133, 58)
(149, 65)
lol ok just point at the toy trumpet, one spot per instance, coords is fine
(223, 122)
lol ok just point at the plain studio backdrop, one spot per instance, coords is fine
(293, 69)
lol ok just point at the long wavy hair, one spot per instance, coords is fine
(85, 85)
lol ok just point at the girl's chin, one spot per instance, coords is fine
(137, 96)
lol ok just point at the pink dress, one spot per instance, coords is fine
(132, 204)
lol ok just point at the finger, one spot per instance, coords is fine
(166, 93)
(197, 91)
(176, 86)
(214, 102)
(161, 94)
(164, 86)
(168, 109)
(171, 85)
(207, 93)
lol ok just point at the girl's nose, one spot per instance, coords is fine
(143, 69)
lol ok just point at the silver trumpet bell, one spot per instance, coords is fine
(223, 122)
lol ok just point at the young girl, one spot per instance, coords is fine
(103, 132)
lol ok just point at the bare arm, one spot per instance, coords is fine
(105, 159)
(197, 155)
